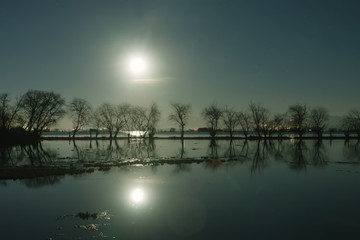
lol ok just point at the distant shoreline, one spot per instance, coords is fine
(66, 138)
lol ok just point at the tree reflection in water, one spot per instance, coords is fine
(138, 148)
(259, 153)
(214, 160)
(298, 153)
(351, 151)
(29, 155)
(319, 156)
(259, 157)
(232, 152)
(115, 150)
(41, 181)
(276, 150)
(181, 168)
(182, 149)
(216, 154)
(301, 156)
(213, 149)
(244, 152)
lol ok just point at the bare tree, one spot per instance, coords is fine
(9, 113)
(122, 114)
(260, 116)
(265, 125)
(15, 116)
(319, 118)
(138, 120)
(152, 120)
(41, 109)
(80, 112)
(212, 116)
(230, 119)
(180, 115)
(271, 129)
(144, 120)
(299, 118)
(256, 117)
(4, 110)
(351, 122)
(279, 124)
(244, 122)
(108, 117)
(96, 121)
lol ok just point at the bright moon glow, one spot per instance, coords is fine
(137, 65)
(137, 196)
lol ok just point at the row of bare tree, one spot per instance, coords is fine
(114, 117)
(37, 110)
(299, 118)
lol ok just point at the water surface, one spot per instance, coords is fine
(243, 190)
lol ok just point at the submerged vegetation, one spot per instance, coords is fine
(23, 120)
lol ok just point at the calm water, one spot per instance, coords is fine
(245, 190)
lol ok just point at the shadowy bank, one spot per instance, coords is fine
(17, 136)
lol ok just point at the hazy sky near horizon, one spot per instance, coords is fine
(199, 52)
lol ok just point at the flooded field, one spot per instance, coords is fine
(196, 189)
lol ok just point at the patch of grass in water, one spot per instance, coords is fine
(86, 215)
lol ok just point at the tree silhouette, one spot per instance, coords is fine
(108, 117)
(152, 119)
(260, 116)
(96, 121)
(9, 113)
(278, 124)
(4, 110)
(80, 112)
(180, 115)
(121, 117)
(245, 122)
(299, 118)
(143, 120)
(231, 120)
(137, 119)
(318, 120)
(41, 109)
(212, 115)
(351, 122)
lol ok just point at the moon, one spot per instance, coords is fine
(137, 65)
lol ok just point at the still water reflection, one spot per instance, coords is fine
(297, 154)
(237, 190)
(137, 196)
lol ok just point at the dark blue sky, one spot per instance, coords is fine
(229, 52)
